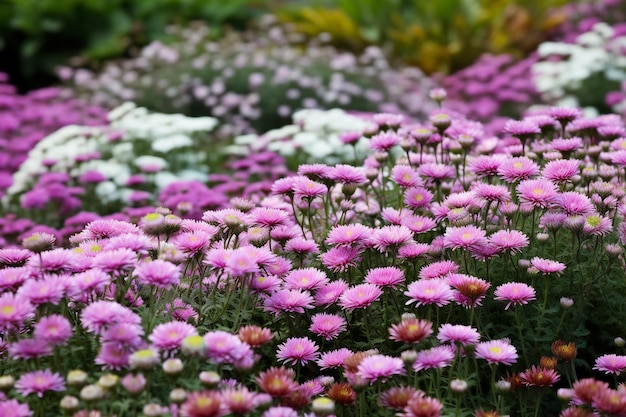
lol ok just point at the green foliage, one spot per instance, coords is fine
(42, 34)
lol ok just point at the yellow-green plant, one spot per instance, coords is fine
(443, 35)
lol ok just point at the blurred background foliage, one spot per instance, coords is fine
(36, 36)
(437, 36)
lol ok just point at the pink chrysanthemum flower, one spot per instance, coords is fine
(413, 250)
(360, 296)
(297, 349)
(99, 314)
(53, 261)
(39, 382)
(436, 172)
(375, 367)
(240, 263)
(49, 289)
(265, 283)
(470, 290)
(14, 257)
(92, 280)
(516, 293)
(334, 358)
(566, 145)
(192, 243)
(517, 169)
(384, 141)
(327, 325)
(521, 129)
(561, 170)
(13, 278)
(161, 274)
(391, 237)
(304, 187)
(410, 330)
(29, 349)
(458, 333)
(330, 293)
(240, 400)
(419, 224)
(511, 241)
(597, 226)
(269, 217)
(112, 356)
(418, 197)
(54, 329)
(486, 165)
(564, 115)
(347, 174)
(492, 192)
(126, 336)
(434, 358)
(438, 269)
(135, 242)
(537, 192)
(385, 276)
(340, 258)
(348, 235)
(405, 176)
(464, 237)
(288, 301)
(497, 351)
(429, 291)
(611, 364)
(14, 310)
(115, 261)
(610, 402)
(305, 279)
(301, 246)
(547, 266)
(14, 408)
(168, 336)
(575, 204)
(314, 171)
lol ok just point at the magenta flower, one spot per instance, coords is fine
(161, 274)
(304, 187)
(334, 358)
(330, 293)
(38, 382)
(340, 258)
(99, 314)
(438, 269)
(537, 192)
(436, 172)
(561, 170)
(429, 291)
(405, 176)
(305, 279)
(269, 217)
(54, 329)
(611, 364)
(49, 289)
(14, 408)
(359, 296)
(511, 241)
(385, 276)
(392, 236)
(347, 174)
(575, 204)
(375, 367)
(327, 325)
(29, 349)
(458, 333)
(497, 351)
(492, 192)
(297, 349)
(288, 301)
(434, 358)
(547, 266)
(464, 237)
(419, 224)
(517, 169)
(516, 293)
(418, 197)
(348, 235)
(168, 336)
(223, 347)
(384, 141)
(14, 310)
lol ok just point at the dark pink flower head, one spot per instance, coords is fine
(497, 351)
(54, 261)
(48, 289)
(511, 241)
(491, 192)
(161, 274)
(54, 329)
(192, 243)
(29, 349)
(405, 176)
(115, 261)
(385, 276)
(301, 246)
(314, 171)
(436, 172)
(464, 237)
(566, 145)
(14, 310)
(14, 408)
(297, 350)
(105, 228)
(575, 204)
(384, 141)
(348, 235)
(517, 169)
(438, 269)
(419, 224)
(305, 279)
(429, 291)
(288, 301)
(458, 333)
(347, 174)
(341, 258)
(14, 257)
(306, 188)
(418, 197)
(547, 266)
(334, 358)
(611, 364)
(330, 293)
(12, 278)
(538, 192)
(516, 293)
(269, 217)
(486, 165)
(561, 170)
(375, 367)
(564, 115)
(39, 382)
(434, 358)
(168, 336)
(99, 314)
(327, 325)
(360, 296)
(521, 129)
(391, 237)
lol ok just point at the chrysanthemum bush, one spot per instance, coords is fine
(26, 119)
(253, 81)
(125, 162)
(467, 276)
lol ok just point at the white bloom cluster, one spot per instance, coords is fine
(165, 147)
(566, 68)
(314, 135)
